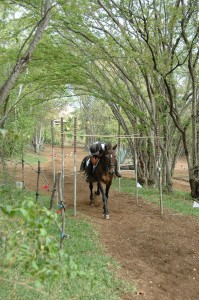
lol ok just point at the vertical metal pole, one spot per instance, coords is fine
(38, 174)
(136, 176)
(75, 166)
(53, 193)
(62, 147)
(136, 162)
(22, 165)
(159, 167)
(53, 152)
(118, 147)
(197, 135)
(62, 206)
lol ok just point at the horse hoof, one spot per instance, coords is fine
(106, 217)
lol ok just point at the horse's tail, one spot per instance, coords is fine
(83, 163)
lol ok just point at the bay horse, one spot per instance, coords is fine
(103, 173)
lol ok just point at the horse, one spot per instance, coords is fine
(103, 173)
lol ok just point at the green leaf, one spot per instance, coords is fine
(3, 132)
(34, 265)
(25, 214)
(43, 232)
(8, 210)
(38, 284)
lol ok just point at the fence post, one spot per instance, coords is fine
(159, 167)
(75, 166)
(62, 207)
(119, 161)
(38, 175)
(62, 147)
(53, 152)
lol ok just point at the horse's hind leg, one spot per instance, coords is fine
(104, 199)
(91, 194)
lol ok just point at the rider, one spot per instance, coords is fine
(96, 150)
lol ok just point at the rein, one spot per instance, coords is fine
(94, 166)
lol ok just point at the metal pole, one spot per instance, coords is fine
(23, 175)
(38, 174)
(53, 193)
(53, 152)
(136, 161)
(119, 144)
(75, 166)
(159, 167)
(136, 177)
(62, 207)
(62, 147)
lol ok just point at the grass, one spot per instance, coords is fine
(32, 158)
(98, 281)
(178, 201)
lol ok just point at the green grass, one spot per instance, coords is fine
(178, 201)
(96, 279)
(32, 158)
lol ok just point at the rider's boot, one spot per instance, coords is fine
(87, 177)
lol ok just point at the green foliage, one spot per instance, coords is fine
(15, 137)
(9, 142)
(31, 248)
(32, 264)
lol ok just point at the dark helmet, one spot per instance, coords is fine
(94, 149)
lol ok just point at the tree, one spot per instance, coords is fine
(28, 46)
(136, 56)
(140, 56)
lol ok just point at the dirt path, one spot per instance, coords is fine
(159, 255)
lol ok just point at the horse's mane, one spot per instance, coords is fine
(103, 161)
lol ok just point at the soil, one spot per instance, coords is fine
(158, 254)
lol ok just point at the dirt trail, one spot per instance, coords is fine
(158, 254)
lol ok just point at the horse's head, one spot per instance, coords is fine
(110, 158)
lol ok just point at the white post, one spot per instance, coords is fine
(136, 161)
(159, 167)
(62, 147)
(75, 166)
(53, 153)
(119, 188)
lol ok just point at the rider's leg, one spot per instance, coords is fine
(88, 170)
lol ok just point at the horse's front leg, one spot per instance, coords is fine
(108, 185)
(98, 190)
(91, 193)
(104, 199)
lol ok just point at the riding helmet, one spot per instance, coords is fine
(94, 149)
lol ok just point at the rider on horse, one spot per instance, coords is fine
(96, 151)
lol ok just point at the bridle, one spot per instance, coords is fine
(110, 162)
